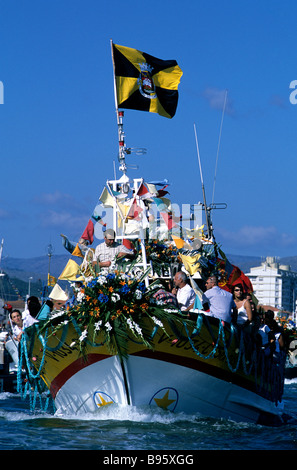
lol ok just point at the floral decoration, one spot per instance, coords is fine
(115, 304)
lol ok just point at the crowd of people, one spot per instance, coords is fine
(237, 308)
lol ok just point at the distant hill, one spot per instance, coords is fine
(19, 270)
(22, 268)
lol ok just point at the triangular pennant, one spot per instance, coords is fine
(70, 272)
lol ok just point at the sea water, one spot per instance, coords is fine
(134, 429)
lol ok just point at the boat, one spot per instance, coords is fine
(121, 340)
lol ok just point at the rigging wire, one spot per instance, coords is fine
(219, 143)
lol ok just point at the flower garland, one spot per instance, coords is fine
(114, 304)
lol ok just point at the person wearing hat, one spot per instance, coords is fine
(106, 252)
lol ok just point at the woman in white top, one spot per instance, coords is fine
(242, 304)
(16, 324)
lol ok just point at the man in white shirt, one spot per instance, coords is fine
(106, 252)
(219, 301)
(185, 295)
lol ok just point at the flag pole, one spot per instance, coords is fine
(114, 79)
(120, 115)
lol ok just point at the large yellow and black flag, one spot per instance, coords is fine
(144, 82)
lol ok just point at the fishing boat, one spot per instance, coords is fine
(122, 340)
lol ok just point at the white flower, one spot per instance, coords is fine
(108, 326)
(138, 294)
(80, 297)
(115, 297)
(83, 335)
(134, 326)
(157, 322)
(101, 279)
(138, 329)
(97, 325)
(57, 313)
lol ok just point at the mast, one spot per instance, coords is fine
(120, 115)
(1, 251)
(123, 151)
(207, 216)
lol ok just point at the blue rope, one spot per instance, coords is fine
(271, 372)
(33, 382)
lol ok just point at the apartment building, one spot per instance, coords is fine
(275, 285)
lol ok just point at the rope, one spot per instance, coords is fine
(271, 379)
(33, 384)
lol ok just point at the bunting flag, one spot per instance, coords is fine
(232, 276)
(58, 293)
(77, 251)
(143, 192)
(88, 233)
(179, 242)
(135, 211)
(129, 244)
(162, 192)
(168, 219)
(106, 198)
(70, 272)
(69, 246)
(191, 263)
(163, 204)
(144, 82)
(99, 219)
(51, 280)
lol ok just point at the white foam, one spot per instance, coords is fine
(131, 413)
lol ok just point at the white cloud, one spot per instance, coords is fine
(63, 219)
(256, 237)
(216, 99)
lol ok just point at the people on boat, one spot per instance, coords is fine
(244, 311)
(218, 302)
(30, 313)
(185, 294)
(58, 297)
(275, 335)
(266, 335)
(107, 251)
(16, 322)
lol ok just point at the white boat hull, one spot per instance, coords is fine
(156, 383)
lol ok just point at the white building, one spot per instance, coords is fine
(275, 285)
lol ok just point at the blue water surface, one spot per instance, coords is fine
(131, 428)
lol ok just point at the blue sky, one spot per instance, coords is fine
(58, 133)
